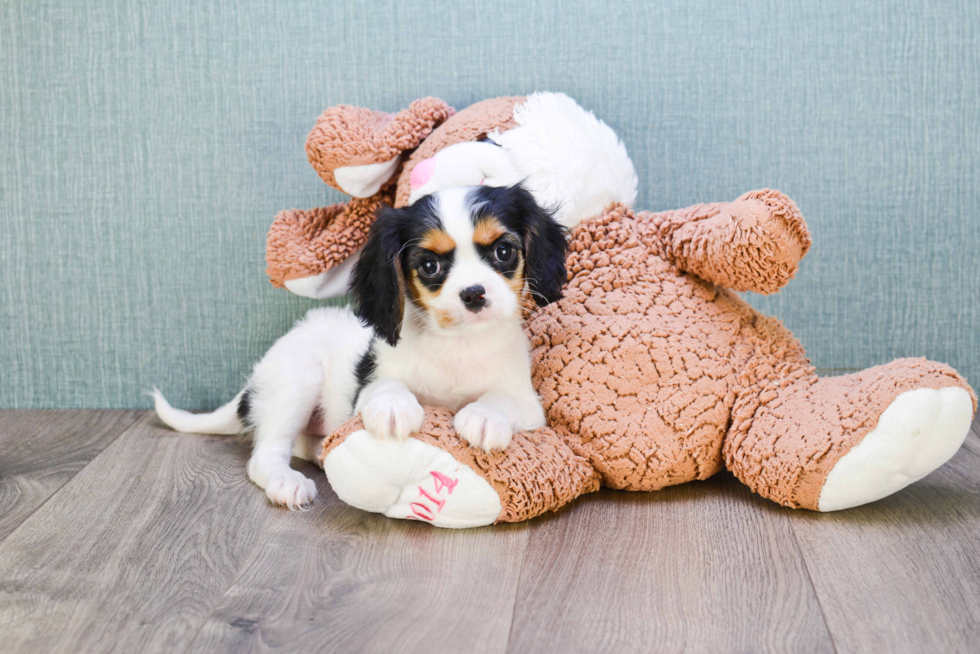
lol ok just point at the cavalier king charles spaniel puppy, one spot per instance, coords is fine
(439, 290)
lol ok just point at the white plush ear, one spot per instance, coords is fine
(329, 284)
(463, 164)
(364, 181)
(570, 160)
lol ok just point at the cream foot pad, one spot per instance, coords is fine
(411, 480)
(918, 432)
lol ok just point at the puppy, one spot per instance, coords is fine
(439, 289)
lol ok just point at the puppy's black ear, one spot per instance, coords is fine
(545, 250)
(377, 283)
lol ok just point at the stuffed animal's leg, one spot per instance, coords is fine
(752, 244)
(831, 444)
(436, 477)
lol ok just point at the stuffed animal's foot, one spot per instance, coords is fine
(436, 477)
(918, 432)
(409, 479)
(834, 443)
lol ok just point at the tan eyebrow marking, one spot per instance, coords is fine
(438, 241)
(487, 231)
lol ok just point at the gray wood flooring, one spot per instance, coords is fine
(118, 535)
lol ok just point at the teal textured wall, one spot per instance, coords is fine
(146, 146)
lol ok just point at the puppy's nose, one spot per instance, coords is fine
(472, 298)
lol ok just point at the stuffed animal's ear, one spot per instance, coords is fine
(545, 249)
(377, 283)
(312, 252)
(357, 150)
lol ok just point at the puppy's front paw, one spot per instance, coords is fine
(483, 426)
(393, 415)
(291, 489)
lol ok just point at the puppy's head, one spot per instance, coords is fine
(461, 258)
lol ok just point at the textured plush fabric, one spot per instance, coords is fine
(145, 148)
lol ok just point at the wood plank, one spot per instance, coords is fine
(903, 574)
(41, 450)
(701, 567)
(133, 553)
(336, 579)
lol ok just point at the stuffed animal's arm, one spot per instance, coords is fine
(752, 244)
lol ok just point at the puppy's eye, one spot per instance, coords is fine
(430, 267)
(504, 252)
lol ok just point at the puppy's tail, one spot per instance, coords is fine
(224, 420)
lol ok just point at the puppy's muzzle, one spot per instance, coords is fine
(473, 298)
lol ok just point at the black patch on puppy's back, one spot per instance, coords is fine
(245, 406)
(364, 371)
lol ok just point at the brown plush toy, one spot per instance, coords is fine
(652, 371)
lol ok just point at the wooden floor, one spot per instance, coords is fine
(117, 535)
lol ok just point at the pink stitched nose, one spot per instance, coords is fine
(422, 172)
